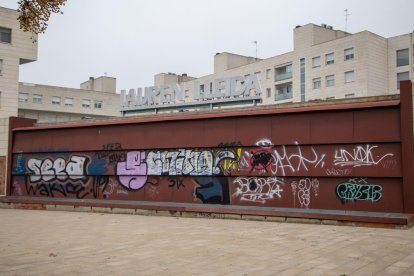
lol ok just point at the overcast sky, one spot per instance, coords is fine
(133, 40)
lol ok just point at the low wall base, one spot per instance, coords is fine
(325, 217)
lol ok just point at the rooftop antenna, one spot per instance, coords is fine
(255, 42)
(346, 19)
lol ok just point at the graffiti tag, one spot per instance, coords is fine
(258, 189)
(48, 170)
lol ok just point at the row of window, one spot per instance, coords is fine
(284, 72)
(56, 100)
(330, 80)
(282, 95)
(284, 90)
(330, 58)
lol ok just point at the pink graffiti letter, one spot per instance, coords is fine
(132, 172)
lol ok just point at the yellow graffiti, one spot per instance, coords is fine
(232, 165)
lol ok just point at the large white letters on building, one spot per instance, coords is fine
(229, 89)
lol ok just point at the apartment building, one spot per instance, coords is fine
(95, 100)
(325, 64)
(16, 48)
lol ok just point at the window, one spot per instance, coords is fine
(68, 101)
(268, 73)
(86, 103)
(330, 80)
(351, 95)
(37, 98)
(5, 35)
(316, 83)
(302, 80)
(316, 62)
(402, 76)
(268, 92)
(98, 104)
(402, 57)
(349, 54)
(1, 67)
(329, 58)
(23, 97)
(55, 100)
(258, 75)
(349, 76)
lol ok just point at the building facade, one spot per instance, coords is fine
(16, 48)
(96, 99)
(325, 64)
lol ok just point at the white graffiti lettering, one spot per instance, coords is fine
(295, 162)
(258, 189)
(303, 190)
(359, 156)
(48, 170)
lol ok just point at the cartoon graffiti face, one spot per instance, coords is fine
(260, 160)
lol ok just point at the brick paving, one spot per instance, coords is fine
(73, 243)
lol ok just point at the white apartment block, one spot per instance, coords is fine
(96, 99)
(16, 48)
(325, 64)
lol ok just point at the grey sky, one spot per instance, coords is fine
(134, 40)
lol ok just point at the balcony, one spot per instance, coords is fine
(283, 76)
(283, 91)
(283, 72)
(284, 96)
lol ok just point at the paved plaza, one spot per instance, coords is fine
(71, 243)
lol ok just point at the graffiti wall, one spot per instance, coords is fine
(296, 176)
(352, 157)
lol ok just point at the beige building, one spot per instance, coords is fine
(325, 64)
(16, 48)
(96, 99)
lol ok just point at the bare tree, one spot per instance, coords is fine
(34, 14)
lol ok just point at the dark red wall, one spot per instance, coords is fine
(347, 158)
